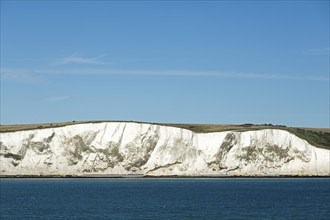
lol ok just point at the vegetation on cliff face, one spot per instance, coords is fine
(319, 137)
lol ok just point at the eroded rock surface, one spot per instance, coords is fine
(135, 148)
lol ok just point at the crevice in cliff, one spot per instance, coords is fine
(220, 157)
(233, 169)
(163, 166)
(140, 149)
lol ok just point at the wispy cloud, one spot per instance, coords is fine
(319, 51)
(184, 73)
(20, 75)
(58, 98)
(76, 59)
(178, 73)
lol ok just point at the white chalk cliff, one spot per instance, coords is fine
(148, 149)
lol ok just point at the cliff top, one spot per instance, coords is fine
(319, 137)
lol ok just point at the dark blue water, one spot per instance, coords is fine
(165, 199)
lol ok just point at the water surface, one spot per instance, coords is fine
(97, 198)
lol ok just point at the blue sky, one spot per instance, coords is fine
(176, 61)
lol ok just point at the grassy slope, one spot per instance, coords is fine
(319, 137)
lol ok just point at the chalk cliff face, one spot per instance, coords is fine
(135, 148)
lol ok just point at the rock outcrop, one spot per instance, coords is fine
(136, 148)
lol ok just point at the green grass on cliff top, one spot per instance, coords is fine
(319, 137)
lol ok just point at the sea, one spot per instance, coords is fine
(165, 198)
